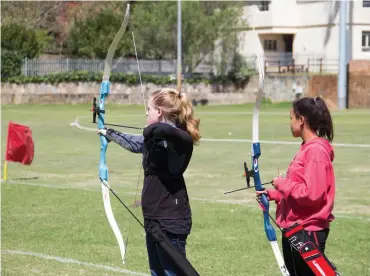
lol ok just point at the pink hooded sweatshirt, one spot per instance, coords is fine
(306, 194)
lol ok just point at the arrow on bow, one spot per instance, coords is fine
(96, 111)
(256, 153)
(103, 169)
(247, 174)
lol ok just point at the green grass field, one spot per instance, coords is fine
(52, 211)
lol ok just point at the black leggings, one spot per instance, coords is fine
(294, 262)
(160, 263)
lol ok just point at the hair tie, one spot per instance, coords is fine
(180, 94)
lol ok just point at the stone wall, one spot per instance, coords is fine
(358, 83)
(360, 67)
(281, 88)
(325, 86)
(277, 88)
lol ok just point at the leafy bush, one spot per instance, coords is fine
(85, 76)
(11, 63)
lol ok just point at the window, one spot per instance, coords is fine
(366, 41)
(263, 5)
(270, 45)
(366, 3)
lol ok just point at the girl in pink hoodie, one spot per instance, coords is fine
(306, 194)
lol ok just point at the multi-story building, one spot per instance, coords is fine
(281, 30)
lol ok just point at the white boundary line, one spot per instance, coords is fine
(72, 261)
(77, 124)
(281, 142)
(15, 182)
(209, 200)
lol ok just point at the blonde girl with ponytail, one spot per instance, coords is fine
(167, 146)
(169, 105)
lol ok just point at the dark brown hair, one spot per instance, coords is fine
(317, 115)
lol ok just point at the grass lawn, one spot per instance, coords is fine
(54, 207)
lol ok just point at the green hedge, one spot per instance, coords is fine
(84, 76)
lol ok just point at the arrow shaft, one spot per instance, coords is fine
(246, 188)
(138, 128)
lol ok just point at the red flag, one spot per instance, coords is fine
(20, 146)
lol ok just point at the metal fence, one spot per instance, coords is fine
(273, 62)
(34, 67)
(300, 62)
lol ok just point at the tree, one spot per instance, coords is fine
(42, 16)
(91, 38)
(155, 26)
(18, 38)
(51, 18)
(33, 14)
(203, 24)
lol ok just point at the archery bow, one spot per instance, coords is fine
(103, 169)
(254, 172)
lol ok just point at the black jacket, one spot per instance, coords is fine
(166, 151)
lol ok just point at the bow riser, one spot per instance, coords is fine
(264, 203)
(103, 169)
(104, 92)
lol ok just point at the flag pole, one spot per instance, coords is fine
(5, 172)
(5, 169)
(179, 45)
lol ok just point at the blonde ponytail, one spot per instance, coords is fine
(177, 109)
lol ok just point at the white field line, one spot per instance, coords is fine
(281, 142)
(202, 199)
(272, 113)
(283, 113)
(72, 261)
(77, 124)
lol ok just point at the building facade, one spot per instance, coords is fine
(306, 31)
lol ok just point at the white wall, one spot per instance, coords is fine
(357, 42)
(284, 13)
(317, 13)
(360, 22)
(361, 15)
(256, 18)
(250, 43)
